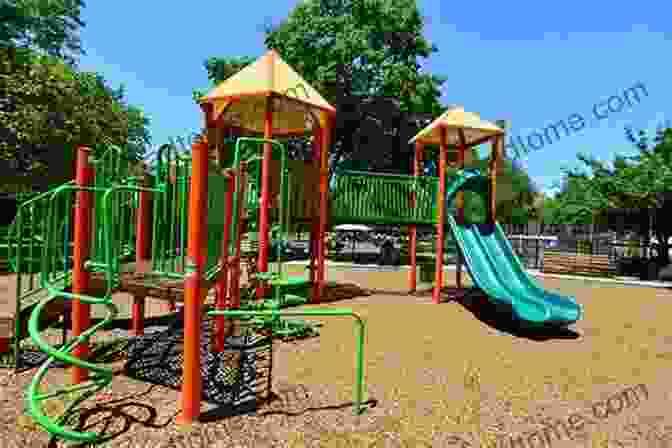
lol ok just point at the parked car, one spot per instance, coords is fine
(364, 243)
(289, 250)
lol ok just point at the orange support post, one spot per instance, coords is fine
(81, 312)
(143, 225)
(495, 160)
(325, 126)
(441, 204)
(222, 280)
(460, 203)
(193, 285)
(262, 262)
(138, 315)
(315, 224)
(413, 229)
(141, 255)
(240, 227)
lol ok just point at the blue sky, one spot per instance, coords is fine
(528, 62)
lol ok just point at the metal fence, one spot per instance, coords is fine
(530, 249)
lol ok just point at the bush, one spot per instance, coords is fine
(584, 247)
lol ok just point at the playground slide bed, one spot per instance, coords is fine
(435, 371)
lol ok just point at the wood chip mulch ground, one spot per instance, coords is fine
(439, 375)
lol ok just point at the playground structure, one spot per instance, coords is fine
(189, 222)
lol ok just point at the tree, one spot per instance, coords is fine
(551, 210)
(516, 193)
(48, 26)
(643, 181)
(517, 196)
(48, 108)
(363, 56)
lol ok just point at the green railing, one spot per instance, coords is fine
(170, 214)
(113, 168)
(360, 329)
(170, 225)
(26, 238)
(249, 150)
(369, 198)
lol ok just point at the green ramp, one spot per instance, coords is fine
(497, 271)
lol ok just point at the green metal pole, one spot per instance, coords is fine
(276, 314)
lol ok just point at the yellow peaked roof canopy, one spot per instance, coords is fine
(453, 119)
(242, 97)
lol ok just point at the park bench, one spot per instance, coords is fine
(572, 263)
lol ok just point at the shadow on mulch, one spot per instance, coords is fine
(294, 404)
(121, 414)
(343, 291)
(127, 323)
(501, 319)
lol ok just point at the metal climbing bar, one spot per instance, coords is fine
(336, 312)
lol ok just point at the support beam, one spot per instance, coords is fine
(138, 315)
(194, 291)
(81, 312)
(460, 202)
(222, 280)
(325, 125)
(441, 207)
(262, 261)
(315, 210)
(239, 225)
(495, 162)
(413, 229)
(143, 226)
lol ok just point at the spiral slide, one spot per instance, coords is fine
(497, 271)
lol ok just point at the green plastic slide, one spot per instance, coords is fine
(497, 271)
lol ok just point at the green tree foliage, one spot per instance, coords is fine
(643, 181)
(47, 108)
(50, 26)
(516, 195)
(364, 57)
(550, 210)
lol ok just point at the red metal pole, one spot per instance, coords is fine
(441, 204)
(324, 179)
(138, 315)
(262, 262)
(143, 225)
(460, 204)
(235, 264)
(413, 229)
(194, 292)
(315, 224)
(81, 312)
(222, 280)
(141, 255)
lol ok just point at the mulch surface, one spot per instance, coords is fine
(436, 376)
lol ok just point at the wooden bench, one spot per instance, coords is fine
(567, 263)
